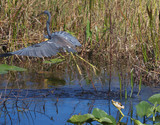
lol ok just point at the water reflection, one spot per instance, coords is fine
(53, 97)
(50, 111)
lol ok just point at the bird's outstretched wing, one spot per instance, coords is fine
(45, 49)
(70, 39)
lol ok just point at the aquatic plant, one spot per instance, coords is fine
(143, 109)
(146, 109)
(97, 115)
(140, 85)
(54, 61)
(4, 68)
(62, 59)
(131, 83)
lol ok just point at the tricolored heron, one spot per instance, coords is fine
(57, 42)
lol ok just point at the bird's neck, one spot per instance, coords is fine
(47, 24)
(48, 31)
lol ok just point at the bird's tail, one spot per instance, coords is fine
(5, 55)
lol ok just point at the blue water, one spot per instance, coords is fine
(44, 111)
(56, 111)
(39, 100)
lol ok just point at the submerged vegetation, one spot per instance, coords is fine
(114, 32)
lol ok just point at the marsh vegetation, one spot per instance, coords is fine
(117, 32)
(120, 38)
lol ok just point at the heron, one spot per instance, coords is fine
(57, 42)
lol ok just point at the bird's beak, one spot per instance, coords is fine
(40, 14)
(46, 39)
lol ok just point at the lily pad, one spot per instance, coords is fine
(105, 120)
(155, 98)
(142, 108)
(98, 113)
(102, 117)
(108, 120)
(81, 118)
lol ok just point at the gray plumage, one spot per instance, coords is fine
(58, 42)
(67, 36)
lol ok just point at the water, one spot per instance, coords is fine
(31, 98)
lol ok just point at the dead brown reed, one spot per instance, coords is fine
(111, 31)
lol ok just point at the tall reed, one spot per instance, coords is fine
(127, 30)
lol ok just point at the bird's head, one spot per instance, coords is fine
(45, 12)
(48, 22)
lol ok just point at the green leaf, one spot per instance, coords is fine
(111, 119)
(15, 68)
(105, 119)
(47, 61)
(155, 98)
(158, 108)
(81, 118)
(54, 61)
(4, 68)
(150, 111)
(98, 113)
(142, 108)
(88, 30)
(137, 122)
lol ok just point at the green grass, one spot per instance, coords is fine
(118, 30)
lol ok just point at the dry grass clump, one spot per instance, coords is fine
(112, 31)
